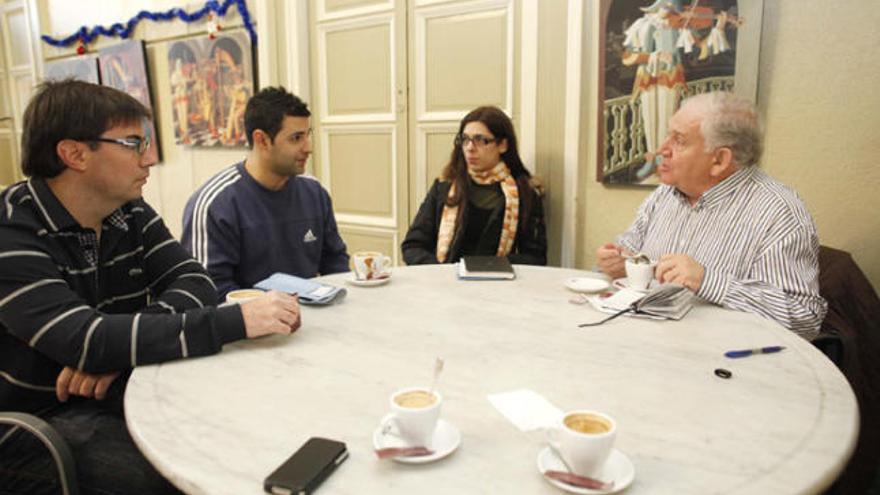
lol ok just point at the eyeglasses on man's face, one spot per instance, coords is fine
(139, 144)
(479, 140)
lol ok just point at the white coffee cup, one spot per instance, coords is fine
(584, 440)
(370, 265)
(242, 295)
(639, 275)
(414, 415)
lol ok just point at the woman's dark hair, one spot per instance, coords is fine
(70, 109)
(455, 171)
(266, 111)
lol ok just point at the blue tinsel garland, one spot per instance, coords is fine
(124, 30)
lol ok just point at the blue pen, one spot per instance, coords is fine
(749, 352)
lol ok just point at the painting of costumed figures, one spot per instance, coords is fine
(123, 66)
(211, 82)
(655, 53)
(81, 68)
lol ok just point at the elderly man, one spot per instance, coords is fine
(721, 226)
(92, 284)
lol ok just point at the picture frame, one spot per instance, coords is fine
(211, 83)
(652, 55)
(123, 66)
(82, 68)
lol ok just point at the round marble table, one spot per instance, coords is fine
(784, 423)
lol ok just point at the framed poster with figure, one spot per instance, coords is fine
(124, 67)
(211, 83)
(652, 55)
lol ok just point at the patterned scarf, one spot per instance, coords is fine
(499, 173)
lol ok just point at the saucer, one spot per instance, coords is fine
(618, 468)
(623, 283)
(586, 284)
(446, 440)
(368, 283)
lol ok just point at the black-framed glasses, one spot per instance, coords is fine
(479, 140)
(139, 144)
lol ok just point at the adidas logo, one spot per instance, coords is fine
(309, 237)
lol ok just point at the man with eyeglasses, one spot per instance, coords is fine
(262, 215)
(92, 284)
(721, 226)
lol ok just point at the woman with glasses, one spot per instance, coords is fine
(484, 202)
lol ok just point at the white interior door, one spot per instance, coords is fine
(17, 77)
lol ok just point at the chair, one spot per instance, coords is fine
(850, 336)
(53, 441)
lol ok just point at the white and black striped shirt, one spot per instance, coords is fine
(65, 300)
(755, 238)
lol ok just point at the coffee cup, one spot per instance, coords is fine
(414, 415)
(584, 440)
(370, 265)
(639, 275)
(242, 295)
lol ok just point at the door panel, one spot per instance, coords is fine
(392, 80)
(17, 75)
(364, 87)
(362, 174)
(360, 86)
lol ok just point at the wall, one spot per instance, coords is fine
(817, 91)
(182, 168)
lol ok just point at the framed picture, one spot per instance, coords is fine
(652, 55)
(123, 66)
(211, 83)
(82, 68)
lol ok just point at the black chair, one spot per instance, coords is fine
(850, 337)
(55, 444)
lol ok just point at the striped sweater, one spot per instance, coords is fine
(754, 237)
(137, 297)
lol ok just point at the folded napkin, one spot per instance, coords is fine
(525, 408)
(310, 292)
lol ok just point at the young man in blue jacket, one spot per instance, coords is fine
(262, 216)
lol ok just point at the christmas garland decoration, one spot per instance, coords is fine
(86, 36)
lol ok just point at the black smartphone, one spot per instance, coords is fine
(306, 468)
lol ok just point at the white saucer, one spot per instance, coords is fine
(586, 284)
(618, 468)
(623, 283)
(446, 440)
(368, 283)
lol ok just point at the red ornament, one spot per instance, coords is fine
(81, 49)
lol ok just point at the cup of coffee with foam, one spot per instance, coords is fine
(584, 440)
(242, 295)
(414, 415)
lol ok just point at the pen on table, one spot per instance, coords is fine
(748, 352)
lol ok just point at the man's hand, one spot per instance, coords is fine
(274, 312)
(74, 382)
(610, 261)
(680, 269)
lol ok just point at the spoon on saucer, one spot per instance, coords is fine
(569, 477)
(390, 452)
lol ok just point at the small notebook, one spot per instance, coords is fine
(485, 268)
(309, 291)
(664, 302)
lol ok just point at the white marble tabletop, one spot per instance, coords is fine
(784, 423)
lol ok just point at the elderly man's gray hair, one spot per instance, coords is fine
(730, 121)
